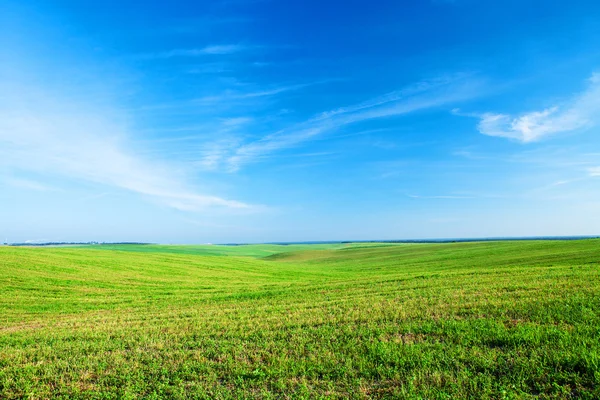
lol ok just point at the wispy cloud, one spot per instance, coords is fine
(46, 135)
(228, 96)
(27, 184)
(470, 155)
(212, 154)
(218, 49)
(556, 185)
(581, 111)
(236, 121)
(595, 171)
(421, 96)
(412, 196)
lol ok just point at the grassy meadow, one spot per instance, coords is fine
(482, 320)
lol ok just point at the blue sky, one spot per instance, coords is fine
(258, 120)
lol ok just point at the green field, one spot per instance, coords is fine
(481, 320)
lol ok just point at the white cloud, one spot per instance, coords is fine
(421, 96)
(27, 184)
(213, 153)
(581, 111)
(439, 197)
(47, 135)
(228, 96)
(236, 121)
(594, 171)
(394, 96)
(222, 49)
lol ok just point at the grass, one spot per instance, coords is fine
(497, 320)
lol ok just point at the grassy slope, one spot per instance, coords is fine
(251, 250)
(479, 320)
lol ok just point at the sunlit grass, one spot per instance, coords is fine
(463, 320)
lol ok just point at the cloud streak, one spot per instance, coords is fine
(581, 111)
(412, 196)
(229, 97)
(211, 50)
(421, 96)
(48, 136)
(28, 184)
(233, 95)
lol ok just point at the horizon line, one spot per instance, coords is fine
(285, 243)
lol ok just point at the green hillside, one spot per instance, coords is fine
(516, 319)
